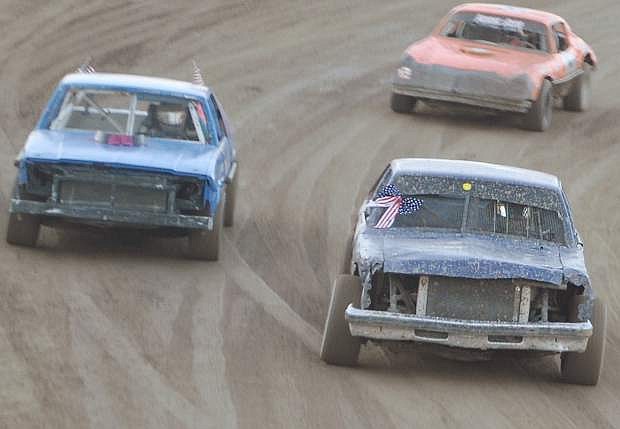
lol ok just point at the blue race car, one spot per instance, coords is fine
(128, 151)
(467, 258)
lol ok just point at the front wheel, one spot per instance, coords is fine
(585, 368)
(402, 103)
(339, 347)
(578, 99)
(541, 112)
(205, 244)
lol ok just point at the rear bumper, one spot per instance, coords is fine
(110, 215)
(481, 335)
(487, 102)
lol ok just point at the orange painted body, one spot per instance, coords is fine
(507, 61)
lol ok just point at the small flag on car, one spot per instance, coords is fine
(86, 67)
(197, 75)
(391, 198)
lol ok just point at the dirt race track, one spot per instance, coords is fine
(106, 331)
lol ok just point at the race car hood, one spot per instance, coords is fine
(463, 255)
(160, 155)
(473, 69)
(475, 56)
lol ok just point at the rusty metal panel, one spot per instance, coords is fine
(471, 299)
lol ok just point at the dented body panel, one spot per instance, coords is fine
(466, 255)
(75, 174)
(154, 154)
(493, 76)
(480, 335)
(403, 269)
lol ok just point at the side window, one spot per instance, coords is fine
(221, 128)
(199, 124)
(561, 39)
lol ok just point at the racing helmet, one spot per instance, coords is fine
(171, 116)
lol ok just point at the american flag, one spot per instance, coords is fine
(197, 75)
(391, 198)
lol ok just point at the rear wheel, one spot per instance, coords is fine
(579, 98)
(402, 103)
(339, 347)
(585, 368)
(205, 244)
(541, 112)
(23, 229)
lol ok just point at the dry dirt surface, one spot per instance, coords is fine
(106, 331)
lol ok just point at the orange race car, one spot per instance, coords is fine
(498, 58)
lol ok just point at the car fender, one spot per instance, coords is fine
(585, 52)
(538, 75)
(217, 180)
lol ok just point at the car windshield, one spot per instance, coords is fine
(438, 203)
(132, 114)
(497, 30)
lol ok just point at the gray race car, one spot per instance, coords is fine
(467, 256)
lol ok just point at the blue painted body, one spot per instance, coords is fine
(465, 254)
(211, 162)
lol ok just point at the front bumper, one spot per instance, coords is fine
(110, 215)
(479, 88)
(481, 335)
(486, 102)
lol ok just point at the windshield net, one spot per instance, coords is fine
(453, 205)
(497, 30)
(502, 217)
(131, 114)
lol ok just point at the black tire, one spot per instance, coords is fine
(231, 199)
(579, 98)
(339, 347)
(23, 229)
(585, 368)
(402, 103)
(540, 114)
(345, 268)
(205, 244)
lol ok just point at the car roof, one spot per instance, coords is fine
(471, 170)
(510, 11)
(134, 83)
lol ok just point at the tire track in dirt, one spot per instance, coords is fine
(108, 334)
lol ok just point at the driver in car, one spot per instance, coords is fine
(167, 120)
